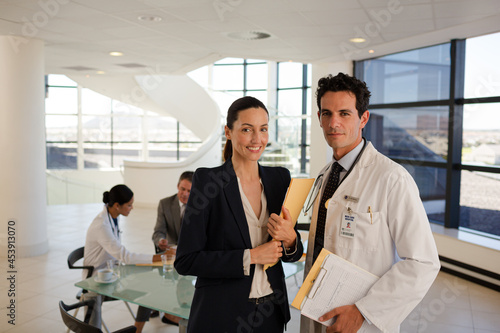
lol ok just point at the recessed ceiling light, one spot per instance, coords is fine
(248, 35)
(115, 54)
(371, 51)
(357, 40)
(100, 72)
(149, 18)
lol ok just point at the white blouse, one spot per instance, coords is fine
(258, 236)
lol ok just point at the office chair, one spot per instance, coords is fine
(76, 325)
(73, 257)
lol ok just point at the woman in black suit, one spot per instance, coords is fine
(226, 238)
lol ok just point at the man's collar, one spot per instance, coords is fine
(348, 159)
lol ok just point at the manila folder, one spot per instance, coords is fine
(295, 198)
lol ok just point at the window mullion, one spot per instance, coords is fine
(455, 130)
(80, 158)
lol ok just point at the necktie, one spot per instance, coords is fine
(183, 208)
(331, 186)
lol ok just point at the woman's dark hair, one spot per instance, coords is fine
(238, 105)
(344, 82)
(119, 193)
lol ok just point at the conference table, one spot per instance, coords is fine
(166, 292)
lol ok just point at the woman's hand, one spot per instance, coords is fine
(282, 228)
(267, 253)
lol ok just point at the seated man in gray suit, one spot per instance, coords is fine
(170, 211)
(168, 225)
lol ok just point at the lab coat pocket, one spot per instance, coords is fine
(367, 231)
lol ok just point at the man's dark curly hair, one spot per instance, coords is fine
(344, 82)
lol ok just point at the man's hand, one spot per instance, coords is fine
(281, 228)
(349, 319)
(162, 244)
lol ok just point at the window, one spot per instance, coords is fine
(436, 111)
(111, 131)
(412, 76)
(480, 182)
(286, 99)
(293, 115)
(61, 122)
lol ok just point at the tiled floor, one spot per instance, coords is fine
(452, 305)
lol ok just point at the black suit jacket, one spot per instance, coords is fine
(214, 235)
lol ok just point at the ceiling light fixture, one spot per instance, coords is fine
(100, 72)
(149, 18)
(248, 35)
(357, 40)
(371, 51)
(115, 54)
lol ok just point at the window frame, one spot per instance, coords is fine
(455, 103)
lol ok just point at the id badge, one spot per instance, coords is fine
(348, 223)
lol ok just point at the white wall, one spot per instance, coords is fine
(22, 143)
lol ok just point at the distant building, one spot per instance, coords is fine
(487, 153)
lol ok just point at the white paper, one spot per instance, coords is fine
(338, 283)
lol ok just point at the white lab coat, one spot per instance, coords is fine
(103, 242)
(397, 245)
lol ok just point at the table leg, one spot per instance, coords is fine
(183, 325)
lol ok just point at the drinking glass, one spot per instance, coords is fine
(168, 262)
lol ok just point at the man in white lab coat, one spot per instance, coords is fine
(388, 233)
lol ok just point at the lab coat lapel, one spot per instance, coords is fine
(233, 197)
(354, 178)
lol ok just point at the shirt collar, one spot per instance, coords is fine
(348, 160)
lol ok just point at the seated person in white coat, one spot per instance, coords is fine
(389, 232)
(103, 243)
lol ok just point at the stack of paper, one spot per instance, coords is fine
(333, 282)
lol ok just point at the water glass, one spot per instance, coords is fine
(114, 265)
(168, 262)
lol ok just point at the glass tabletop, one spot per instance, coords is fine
(150, 287)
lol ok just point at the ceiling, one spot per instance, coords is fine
(79, 34)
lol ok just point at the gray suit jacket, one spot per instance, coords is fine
(168, 222)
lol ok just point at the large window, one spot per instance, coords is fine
(86, 130)
(102, 132)
(294, 114)
(436, 111)
(283, 87)
(61, 122)
(480, 177)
